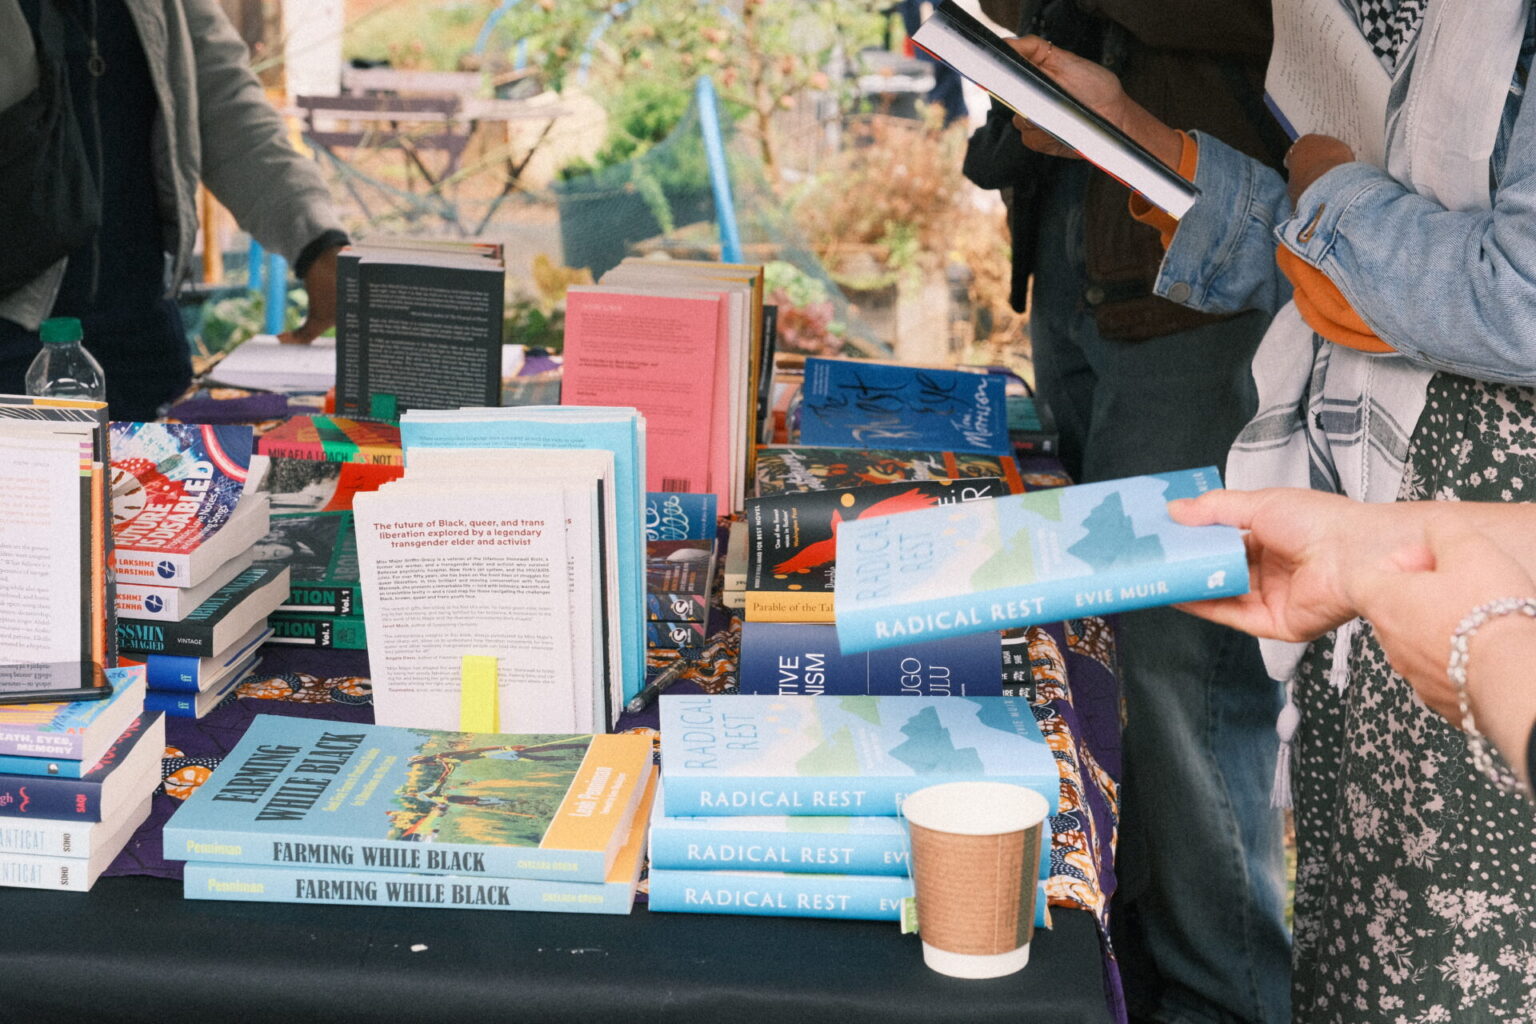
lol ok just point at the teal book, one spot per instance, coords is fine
(614, 429)
(1041, 556)
(856, 756)
(67, 738)
(806, 844)
(303, 792)
(262, 883)
(776, 894)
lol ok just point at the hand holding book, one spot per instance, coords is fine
(1097, 88)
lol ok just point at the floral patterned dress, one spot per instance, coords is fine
(1416, 877)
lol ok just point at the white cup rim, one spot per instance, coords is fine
(975, 808)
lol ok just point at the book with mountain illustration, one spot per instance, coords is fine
(799, 467)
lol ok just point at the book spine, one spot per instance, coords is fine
(770, 894)
(176, 705)
(36, 796)
(23, 742)
(42, 767)
(861, 629)
(46, 839)
(315, 598)
(150, 637)
(157, 568)
(682, 846)
(161, 604)
(676, 845)
(319, 852)
(299, 629)
(400, 889)
(313, 451)
(25, 871)
(780, 606)
(866, 796)
(173, 672)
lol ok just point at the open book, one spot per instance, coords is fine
(965, 44)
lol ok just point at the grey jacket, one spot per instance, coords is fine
(215, 126)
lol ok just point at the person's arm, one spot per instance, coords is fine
(273, 192)
(1463, 302)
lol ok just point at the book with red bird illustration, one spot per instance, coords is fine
(791, 539)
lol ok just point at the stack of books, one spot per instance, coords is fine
(304, 811)
(192, 605)
(605, 445)
(55, 632)
(324, 605)
(628, 337)
(788, 806)
(334, 439)
(76, 780)
(681, 533)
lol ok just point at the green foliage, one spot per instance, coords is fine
(431, 37)
(229, 321)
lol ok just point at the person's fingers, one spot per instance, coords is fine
(1227, 508)
(1033, 49)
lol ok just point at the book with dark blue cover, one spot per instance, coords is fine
(794, 658)
(875, 405)
(677, 515)
(1041, 556)
(128, 771)
(856, 756)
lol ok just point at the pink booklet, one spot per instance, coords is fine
(661, 353)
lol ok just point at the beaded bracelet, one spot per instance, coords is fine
(1484, 757)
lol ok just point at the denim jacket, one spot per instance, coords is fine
(1453, 291)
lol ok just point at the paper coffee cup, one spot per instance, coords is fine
(975, 857)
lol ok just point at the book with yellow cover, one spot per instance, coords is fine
(302, 792)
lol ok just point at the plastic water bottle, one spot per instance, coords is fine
(64, 369)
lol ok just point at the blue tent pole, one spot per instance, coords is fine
(276, 293)
(719, 174)
(255, 263)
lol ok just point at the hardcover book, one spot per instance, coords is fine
(856, 404)
(791, 539)
(320, 551)
(809, 468)
(180, 504)
(780, 894)
(799, 845)
(197, 705)
(788, 658)
(305, 629)
(128, 771)
(955, 37)
(72, 873)
(859, 756)
(215, 625)
(295, 884)
(334, 439)
(66, 738)
(303, 792)
(1028, 558)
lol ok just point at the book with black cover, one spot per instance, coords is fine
(957, 38)
(217, 623)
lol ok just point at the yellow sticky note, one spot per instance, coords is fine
(479, 704)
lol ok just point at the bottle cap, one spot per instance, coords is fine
(61, 330)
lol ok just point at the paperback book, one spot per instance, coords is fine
(303, 792)
(67, 738)
(186, 673)
(791, 539)
(294, 884)
(780, 894)
(334, 439)
(955, 37)
(215, 625)
(857, 404)
(126, 772)
(172, 604)
(789, 658)
(797, 467)
(859, 756)
(72, 873)
(310, 485)
(43, 837)
(320, 551)
(672, 515)
(183, 501)
(1044, 556)
(1031, 426)
(311, 629)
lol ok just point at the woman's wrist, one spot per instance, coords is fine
(1157, 137)
(1500, 688)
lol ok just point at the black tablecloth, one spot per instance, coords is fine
(133, 950)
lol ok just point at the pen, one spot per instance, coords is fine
(672, 673)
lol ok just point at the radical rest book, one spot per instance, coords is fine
(856, 756)
(1043, 556)
(299, 791)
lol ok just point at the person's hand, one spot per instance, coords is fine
(1310, 158)
(1097, 88)
(320, 286)
(1416, 609)
(1303, 547)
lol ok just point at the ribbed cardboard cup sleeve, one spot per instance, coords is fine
(975, 893)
